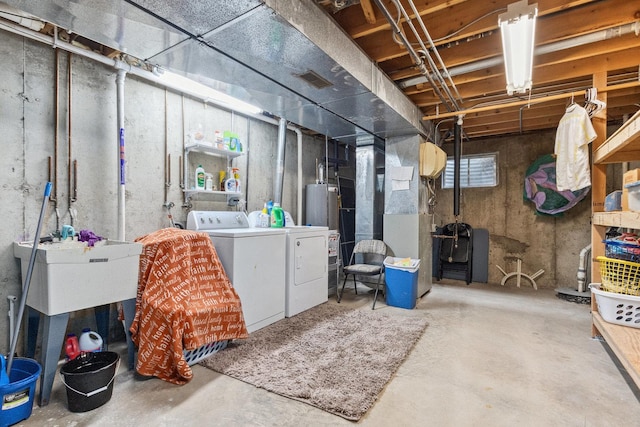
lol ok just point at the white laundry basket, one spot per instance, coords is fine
(619, 309)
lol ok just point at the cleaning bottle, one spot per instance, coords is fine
(200, 178)
(230, 183)
(208, 183)
(277, 216)
(263, 218)
(90, 341)
(72, 347)
(236, 176)
(222, 179)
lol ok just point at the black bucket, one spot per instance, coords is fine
(89, 379)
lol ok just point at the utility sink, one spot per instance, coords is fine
(71, 275)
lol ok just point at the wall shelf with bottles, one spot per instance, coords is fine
(210, 149)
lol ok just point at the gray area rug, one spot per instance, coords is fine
(334, 357)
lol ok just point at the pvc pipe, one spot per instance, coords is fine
(299, 195)
(121, 188)
(279, 171)
(582, 268)
(148, 76)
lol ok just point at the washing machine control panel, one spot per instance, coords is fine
(216, 220)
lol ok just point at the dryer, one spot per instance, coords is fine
(254, 260)
(307, 264)
(307, 268)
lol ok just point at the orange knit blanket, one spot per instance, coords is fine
(185, 300)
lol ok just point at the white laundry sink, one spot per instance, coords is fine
(72, 276)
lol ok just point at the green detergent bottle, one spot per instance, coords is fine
(277, 216)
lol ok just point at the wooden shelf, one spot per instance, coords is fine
(623, 145)
(625, 343)
(626, 219)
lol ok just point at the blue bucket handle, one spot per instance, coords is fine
(4, 377)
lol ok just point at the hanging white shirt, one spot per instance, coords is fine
(573, 136)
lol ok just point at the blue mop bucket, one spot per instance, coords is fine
(18, 394)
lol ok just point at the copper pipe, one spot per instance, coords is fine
(53, 166)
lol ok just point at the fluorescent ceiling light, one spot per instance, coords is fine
(199, 90)
(517, 26)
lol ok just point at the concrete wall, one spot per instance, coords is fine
(27, 123)
(515, 231)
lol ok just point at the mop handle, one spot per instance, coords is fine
(27, 280)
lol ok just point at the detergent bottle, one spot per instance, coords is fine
(264, 218)
(277, 216)
(200, 178)
(90, 341)
(236, 176)
(222, 179)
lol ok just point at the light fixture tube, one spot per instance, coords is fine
(207, 93)
(517, 27)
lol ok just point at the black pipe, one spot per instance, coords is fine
(457, 145)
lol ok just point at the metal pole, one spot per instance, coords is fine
(456, 161)
(27, 279)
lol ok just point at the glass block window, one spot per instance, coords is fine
(476, 170)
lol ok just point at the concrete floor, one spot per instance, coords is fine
(491, 356)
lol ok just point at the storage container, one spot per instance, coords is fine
(622, 250)
(19, 393)
(633, 195)
(617, 308)
(619, 276)
(89, 380)
(613, 201)
(401, 279)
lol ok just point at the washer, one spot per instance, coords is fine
(307, 265)
(254, 260)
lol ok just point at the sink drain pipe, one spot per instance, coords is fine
(582, 268)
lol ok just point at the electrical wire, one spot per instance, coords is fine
(455, 33)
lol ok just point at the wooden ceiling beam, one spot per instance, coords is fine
(543, 76)
(367, 10)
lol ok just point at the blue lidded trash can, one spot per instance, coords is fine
(401, 278)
